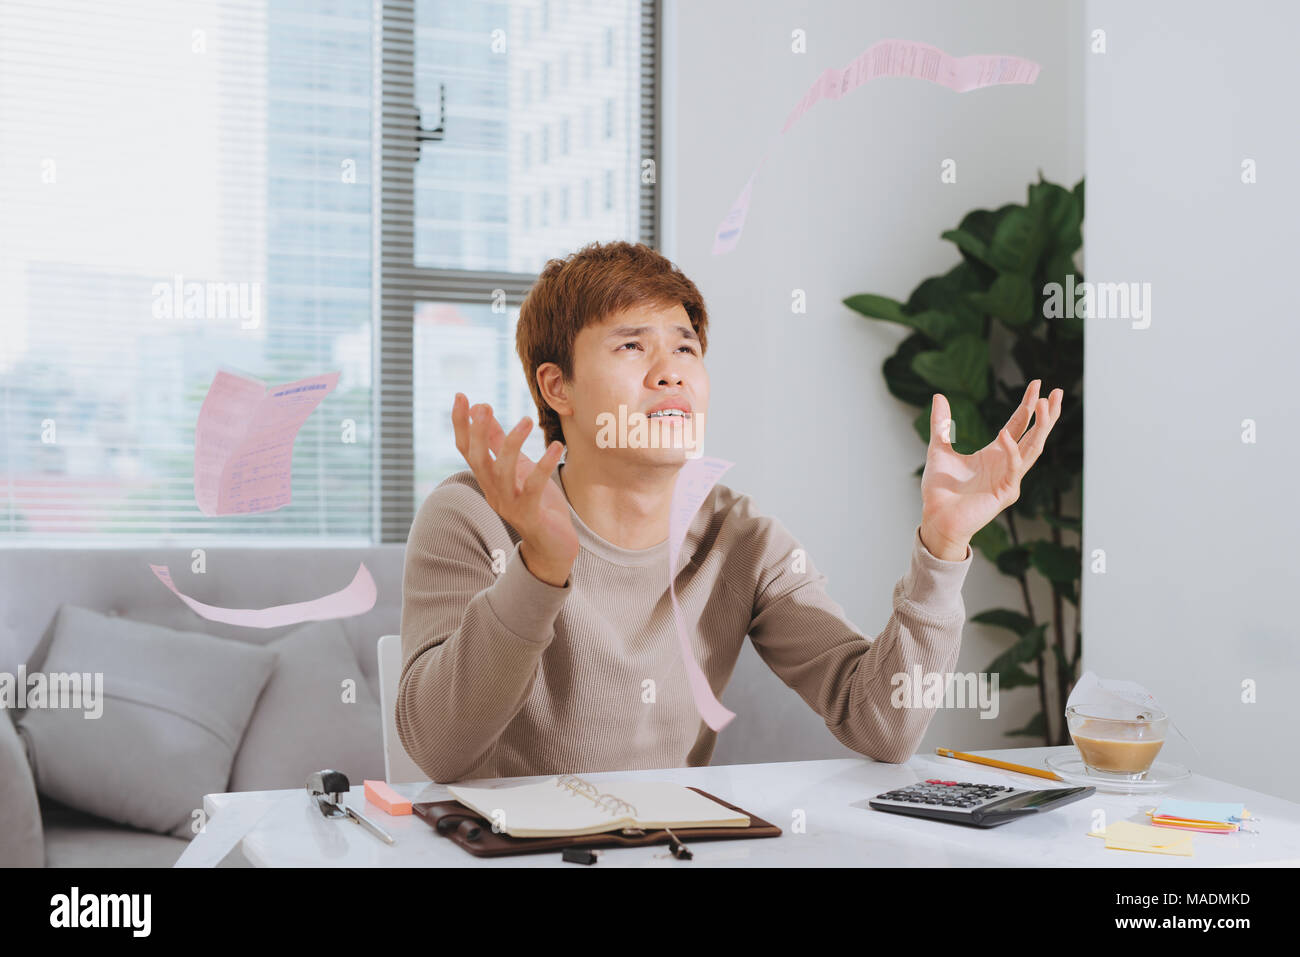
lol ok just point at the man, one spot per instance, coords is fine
(537, 631)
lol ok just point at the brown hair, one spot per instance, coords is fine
(585, 288)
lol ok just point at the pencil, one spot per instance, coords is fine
(993, 763)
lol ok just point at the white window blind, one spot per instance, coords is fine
(263, 154)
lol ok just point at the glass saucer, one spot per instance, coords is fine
(1161, 776)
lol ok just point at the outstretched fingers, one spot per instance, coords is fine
(1046, 412)
(941, 431)
(1019, 420)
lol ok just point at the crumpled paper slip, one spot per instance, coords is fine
(1127, 836)
(1117, 698)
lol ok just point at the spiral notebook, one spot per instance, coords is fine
(568, 805)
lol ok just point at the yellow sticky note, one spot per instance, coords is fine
(1127, 836)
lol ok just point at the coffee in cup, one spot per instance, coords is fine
(1114, 745)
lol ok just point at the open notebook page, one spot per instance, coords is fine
(547, 808)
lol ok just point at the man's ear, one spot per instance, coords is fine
(550, 383)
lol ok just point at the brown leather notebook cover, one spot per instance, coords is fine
(474, 832)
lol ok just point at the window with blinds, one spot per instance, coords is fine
(281, 189)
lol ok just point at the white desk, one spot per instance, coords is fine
(840, 829)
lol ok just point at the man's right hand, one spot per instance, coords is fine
(519, 490)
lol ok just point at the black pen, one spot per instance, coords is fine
(680, 850)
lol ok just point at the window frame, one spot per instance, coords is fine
(398, 283)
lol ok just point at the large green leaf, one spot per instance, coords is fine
(937, 326)
(1012, 677)
(942, 327)
(1062, 216)
(973, 236)
(991, 540)
(1067, 592)
(962, 366)
(1040, 484)
(1026, 649)
(1059, 265)
(1014, 561)
(1011, 299)
(901, 381)
(1078, 192)
(1019, 241)
(1057, 563)
(1065, 522)
(1059, 364)
(947, 294)
(1036, 728)
(968, 243)
(968, 433)
(877, 307)
(1013, 621)
(1068, 436)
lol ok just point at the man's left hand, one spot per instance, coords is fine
(960, 494)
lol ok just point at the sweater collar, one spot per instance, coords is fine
(655, 554)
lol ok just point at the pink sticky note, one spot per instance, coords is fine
(358, 597)
(243, 442)
(694, 482)
(380, 794)
(902, 58)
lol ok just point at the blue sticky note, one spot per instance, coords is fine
(1201, 810)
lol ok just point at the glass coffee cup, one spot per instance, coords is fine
(1114, 745)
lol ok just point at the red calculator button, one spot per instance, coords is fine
(933, 781)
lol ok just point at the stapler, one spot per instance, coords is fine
(327, 789)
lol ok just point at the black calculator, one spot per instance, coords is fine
(979, 805)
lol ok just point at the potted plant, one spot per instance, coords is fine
(978, 334)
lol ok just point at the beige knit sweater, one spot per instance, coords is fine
(504, 674)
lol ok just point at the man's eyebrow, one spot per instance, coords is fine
(622, 331)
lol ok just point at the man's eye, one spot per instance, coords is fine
(690, 349)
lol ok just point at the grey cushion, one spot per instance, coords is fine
(302, 724)
(175, 707)
(22, 843)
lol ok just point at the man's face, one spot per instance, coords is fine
(640, 359)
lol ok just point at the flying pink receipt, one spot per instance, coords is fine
(243, 443)
(885, 58)
(353, 599)
(694, 482)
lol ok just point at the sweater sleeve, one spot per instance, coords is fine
(472, 639)
(844, 676)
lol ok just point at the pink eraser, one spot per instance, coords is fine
(380, 794)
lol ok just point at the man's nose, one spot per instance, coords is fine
(666, 371)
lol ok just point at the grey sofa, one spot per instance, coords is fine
(35, 582)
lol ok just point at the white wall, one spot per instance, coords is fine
(1200, 530)
(848, 201)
